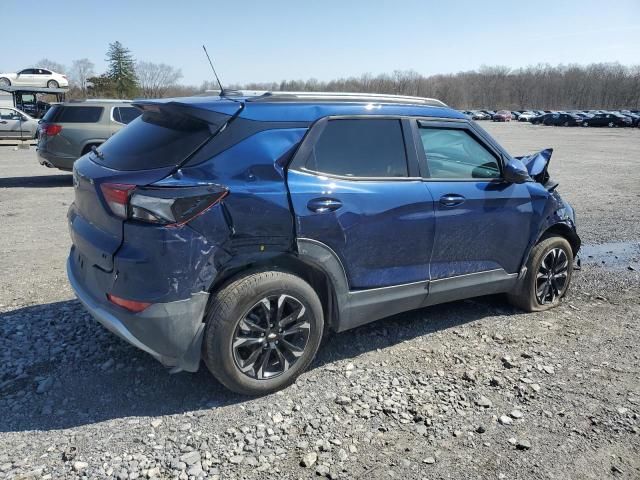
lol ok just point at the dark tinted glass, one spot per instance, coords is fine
(153, 141)
(65, 114)
(51, 113)
(360, 148)
(126, 114)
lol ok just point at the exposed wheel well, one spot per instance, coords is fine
(562, 230)
(313, 275)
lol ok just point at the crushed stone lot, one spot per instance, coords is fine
(467, 390)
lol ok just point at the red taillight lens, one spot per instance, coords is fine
(117, 197)
(50, 129)
(131, 305)
(173, 207)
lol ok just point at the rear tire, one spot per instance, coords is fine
(549, 271)
(246, 345)
(52, 84)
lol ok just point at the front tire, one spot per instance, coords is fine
(52, 84)
(262, 331)
(549, 270)
(5, 82)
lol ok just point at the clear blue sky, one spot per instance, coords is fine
(275, 40)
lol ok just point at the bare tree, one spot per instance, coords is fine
(156, 78)
(81, 70)
(51, 65)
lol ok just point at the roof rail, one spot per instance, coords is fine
(102, 100)
(272, 96)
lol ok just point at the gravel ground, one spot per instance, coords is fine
(471, 389)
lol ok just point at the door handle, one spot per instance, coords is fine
(321, 205)
(4, 122)
(452, 200)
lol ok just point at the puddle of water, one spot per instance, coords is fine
(614, 255)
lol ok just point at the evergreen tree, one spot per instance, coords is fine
(122, 70)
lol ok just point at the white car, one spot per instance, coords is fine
(526, 116)
(34, 77)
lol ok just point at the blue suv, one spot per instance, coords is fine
(241, 229)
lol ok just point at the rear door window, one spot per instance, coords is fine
(67, 114)
(360, 148)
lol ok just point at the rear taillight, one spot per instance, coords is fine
(174, 206)
(169, 206)
(50, 129)
(131, 305)
(117, 197)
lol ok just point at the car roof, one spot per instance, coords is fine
(95, 102)
(310, 106)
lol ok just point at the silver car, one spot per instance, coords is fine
(15, 123)
(69, 130)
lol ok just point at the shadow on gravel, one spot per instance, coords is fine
(45, 181)
(60, 369)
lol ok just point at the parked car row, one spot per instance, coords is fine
(68, 130)
(572, 118)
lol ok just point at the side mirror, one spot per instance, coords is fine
(514, 171)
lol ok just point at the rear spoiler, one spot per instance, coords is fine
(197, 112)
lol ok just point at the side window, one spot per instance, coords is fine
(78, 115)
(455, 154)
(27, 71)
(360, 148)
(125, 114)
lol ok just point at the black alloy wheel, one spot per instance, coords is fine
(551, 279)
(271, 337)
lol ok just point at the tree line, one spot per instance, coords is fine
(543, 86)
(561, 87)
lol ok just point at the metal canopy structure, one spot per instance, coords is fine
(32, 107)
(50, 91)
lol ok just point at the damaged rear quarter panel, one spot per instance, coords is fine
(167, 264)
(255, 219)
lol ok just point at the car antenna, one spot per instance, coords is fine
(222, 91)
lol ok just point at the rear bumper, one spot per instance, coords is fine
(170, 332)
(57, 161)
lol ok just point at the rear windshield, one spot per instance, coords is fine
(153, 140)
(67, 114)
